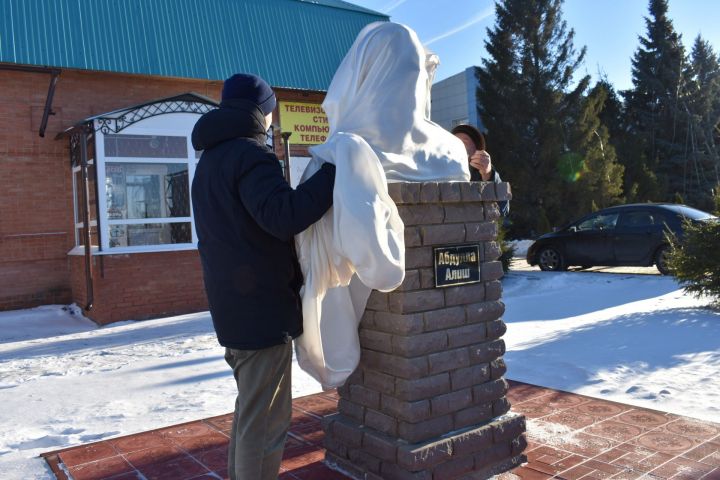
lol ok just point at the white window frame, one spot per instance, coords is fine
(172, 124)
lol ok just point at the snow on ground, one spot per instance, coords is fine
(636, 339)
(64, 381)
(521, 247)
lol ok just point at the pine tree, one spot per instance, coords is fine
(507, 249)
(654, 157)
(526, 102)
(701, 105)
(625, 144)
(598, 181)
(612, 113)
(695, 261)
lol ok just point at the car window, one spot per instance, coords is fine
(637, 219)
(691, 213)
(598, 222)
(667, 219)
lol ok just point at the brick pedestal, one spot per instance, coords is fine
(427, 401)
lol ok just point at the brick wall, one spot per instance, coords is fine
(36, 205)
(141, 285)
(428, 399)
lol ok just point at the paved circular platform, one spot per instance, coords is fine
(570, 437)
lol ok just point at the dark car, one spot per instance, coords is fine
(628, 235)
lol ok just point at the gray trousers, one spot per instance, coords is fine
(262, 411)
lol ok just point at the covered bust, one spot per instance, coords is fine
(378, 110)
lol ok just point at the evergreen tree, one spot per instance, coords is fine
(653, 160)
(598, 179)
(612, 114)
(625, 144)
(507, 249)
(527, 104)
(701, 106)
(695, 261)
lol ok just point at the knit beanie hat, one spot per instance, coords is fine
(249, 87)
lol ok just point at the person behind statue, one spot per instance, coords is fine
(246, 216)
(481, 165)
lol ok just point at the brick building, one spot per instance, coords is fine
(97, 102)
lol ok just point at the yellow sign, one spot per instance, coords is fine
(307, 122)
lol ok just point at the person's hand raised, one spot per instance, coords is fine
(480, 160)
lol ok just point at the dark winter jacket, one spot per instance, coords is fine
(246, 215)
(475, 176)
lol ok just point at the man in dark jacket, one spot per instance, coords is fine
(481, 167)
(246, 216)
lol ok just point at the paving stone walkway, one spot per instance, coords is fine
(569, 437)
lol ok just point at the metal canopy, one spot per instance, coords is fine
(118, 120)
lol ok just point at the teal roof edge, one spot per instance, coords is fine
(345, 6)
(294, 44)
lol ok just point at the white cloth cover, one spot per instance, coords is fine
(378, 108)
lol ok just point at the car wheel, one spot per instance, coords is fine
(550, 260)
(661, 260)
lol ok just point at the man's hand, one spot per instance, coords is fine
(480, 160)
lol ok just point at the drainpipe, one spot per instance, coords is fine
(55, 75)
(86, 219)
(48, 101)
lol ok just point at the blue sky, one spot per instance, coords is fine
(456, 29)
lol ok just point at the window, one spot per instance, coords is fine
(145, 174)
(141, 191)
(636, 220)
(459, 121)
(145, 146)
(141, 164)
(691, 213)
(598, 222)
